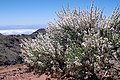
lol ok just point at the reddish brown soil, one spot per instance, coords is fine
(19, 72)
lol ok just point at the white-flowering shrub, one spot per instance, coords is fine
(42, 52)
(82, 44)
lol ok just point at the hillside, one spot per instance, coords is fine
(10, 48)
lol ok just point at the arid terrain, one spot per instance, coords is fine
(19, 72)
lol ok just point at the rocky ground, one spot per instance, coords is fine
(20, 72)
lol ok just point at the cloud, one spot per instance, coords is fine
(17, 31)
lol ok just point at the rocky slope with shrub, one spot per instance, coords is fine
(10, 48)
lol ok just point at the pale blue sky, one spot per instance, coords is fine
(30, 12)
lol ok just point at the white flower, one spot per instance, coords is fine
(84, 44)
(77, 63)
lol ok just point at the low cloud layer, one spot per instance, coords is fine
(17, 31)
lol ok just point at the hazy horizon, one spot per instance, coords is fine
(11, 27)
(20, 29)
(17, 31)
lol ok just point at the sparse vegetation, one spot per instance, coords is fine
(84, 45)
